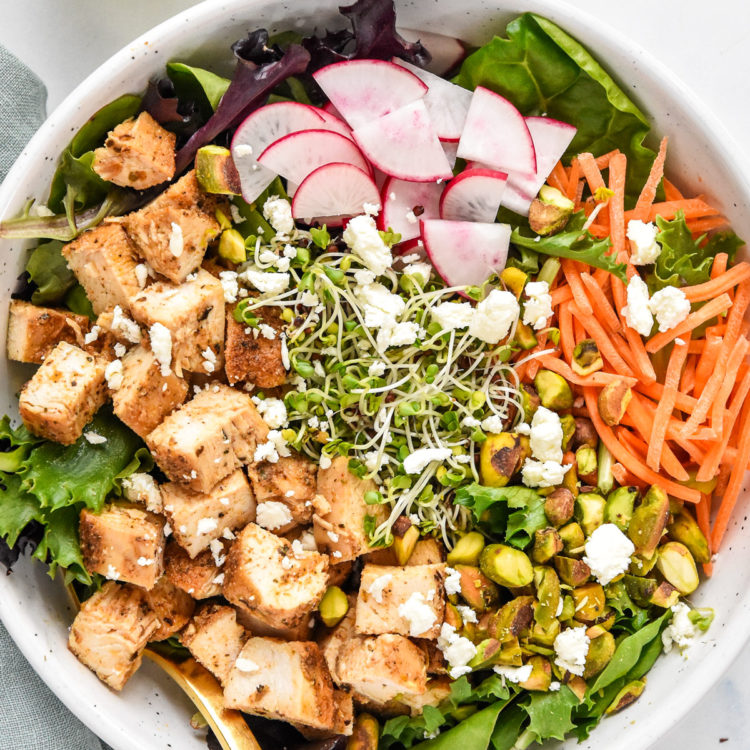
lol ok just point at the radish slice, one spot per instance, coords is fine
(551, 139)
(331, 110)
(296, 155)
(258, 130)
(404, 203)
(496, 133)
(473, 195)
(363, 90)
(447, 104)
(447, 51)
(411, 247)
(403, 144)
(450, 148)
(466, 253)
(336, 124)
(334, 192)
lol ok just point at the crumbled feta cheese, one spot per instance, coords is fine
(538, 306)
(381, 307)
(161, 346)
(272, 515)
(141, 274)
(418, 461)
(494, 316)
(278, 211)
(513, 674)
(493, 424)
(363, 277)
(420, 616)
(471, 422)
(176, 240)
(546, 436)
(554, 686)
(230, 285)
(467, 613)
(266, 282)
(142, 488)
(307, 541)
(637, 313)
(371, 209)
(644, 248)
(266, 452)
(400, 334)
(543, 473)
(94, 437)
(92, 335)
(376, 369)
(207, 525)
(124, 327)
(608, 552)
(268, 332)
(571, 647)
(457, 650)
(523, 429)
(112, 573)
(374, 461)
(377, 586)
(453, 315)
(452, 581)
(681, 630)
(120, 350)
(217, 551)
(309, 299)
(273, 412)
(246, 665)
(243, 149)
(670, 306)
(422, 270)
(113, 374)
(237, 217)
(362, 236)
(325, 461)
(144, 562)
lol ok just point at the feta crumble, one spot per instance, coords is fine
(681, 631)
(364, 240)
(278, 211)
(608, 552)
(543, 473)
(418, 461)
(230, 285)
(206, 526)
(124, 327)
(494, 316)
(272, 515)
(467, 613)
(514, 674)
(670, 306)
(452, 581)
(637, 313)
(92, 335)
(453, 315)
(644, 249)
(273, 411)
(266, 282)
(141, 274)
(142, 488)
(546, 436)
(420, 616)
(113, 374)
(537, 308)
(457, 650)
(94, 437)
(161, 346)
(492, 424)
(176, 240)
(571, 648)
(378, 585)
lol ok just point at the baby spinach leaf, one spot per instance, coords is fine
(550, 713)
(198, 85)
(76, 301)
(508, 728)
(49, 271)
(474, 732)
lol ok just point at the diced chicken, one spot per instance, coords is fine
(382, 667)
(146, 396)
(172, 606)
(215, 639)
(207, 438)
(291, 480)
(111, 630)
(343, 719)
(334, 640)
(341, 531)
(123, 542)
(251, 357)
(173, 232)
(276, 583)
(34, 331)
(300, 632)
(407, 601)
(200, 577)
(138, 154)
(142, 488)
(436, 663)
(426, 552)
(339, 572)
(193, 314)
(64, 394)
(199, 518)
(281, 680)
(104, 260)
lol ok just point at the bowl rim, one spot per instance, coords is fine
(734, 635)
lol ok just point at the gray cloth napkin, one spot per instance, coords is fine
(31, 717)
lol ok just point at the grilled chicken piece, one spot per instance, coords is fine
(438, 690)
(249, 356)
(201, 577)
(146, 396)
(340, 532)
(276, 583)
(111, 630)
(139, 153)
(207, 438)
(104, 260)
(34, 331)
(173, 231)
(194, 314)
(408, 601)
(343, 719)
(142, 488)
(172, 606)
(123, 542)
(426, 552)
(214, 638)
(335, 638)
(63, 394)
(198, 518)
(282, 680)
(256, 626)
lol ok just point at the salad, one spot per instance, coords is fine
(392, 382)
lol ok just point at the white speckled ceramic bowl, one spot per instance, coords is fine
(151, 713)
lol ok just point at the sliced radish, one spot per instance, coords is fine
(411, 247)
(496, 133)
(466, 253)
(404, 203)
(334, 192)
(551, 139)
(331, 110)
(331, 122)
(403, 144)
(296, 155)
(258, 130)
(363, 90)
(447, 104)
(450, 148)
(473, 195)
(447, 51)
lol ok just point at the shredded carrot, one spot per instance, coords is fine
(671, 193)
(573, 277)
(600, 303)
(702, 225)
(636, 446)
(709, 310)
(603, 161)
(707, 362)
(688, 376)
(597, 379)
(603, 341)
(578, 195)
(655, 391)
(729, 380)
(565, 322)
(646, 198)
(573, 178)
(721, 281)
(558, 178)
(719, 266)
(693, 208)
(591, 171)
(561, 294)
(617, 172)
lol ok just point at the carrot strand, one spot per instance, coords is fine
(646, 198)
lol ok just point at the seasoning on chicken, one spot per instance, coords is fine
(172, 606)
(195, 576)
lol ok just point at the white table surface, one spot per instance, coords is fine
(704, 43)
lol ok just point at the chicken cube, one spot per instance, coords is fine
(207, 438)
(282, 680)
(193, 314)
(104, 260)
(343, 719)
(63, 394)
(199, 518)
(341, 531)
(111, 630)
(256, 626)
(146, 396)
(251, 357)
(139, 153)
(142, 488)
(335, 638)
(426, 552)
(215, 639)
(173, 231)
(201, 577)
(279, 584)
(123, 542)
(172, 606)
(34, 331)
(408, 601)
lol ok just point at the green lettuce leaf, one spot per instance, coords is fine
(508, 728)
(550, 714)
(49, 271)
(197, 85)
(474, 732)
(17, 508)
(60, 545)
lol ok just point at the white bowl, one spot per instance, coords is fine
(151, 713)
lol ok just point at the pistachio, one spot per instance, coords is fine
(232, 246)
(554, 391)
(512, 619)
(547, 544)
(578, 686)
(585, 433)
(647, 591)
(568, 424)
(548, 595)
(586, 464)
(573, 538)
(365, 735)
(559, 506)
(477, 590)
(600, 653)
(589, 511)
(541, 674)
(627, 695)
(683, 528)
(500, 457)
(506, 565)
(467, 550)
(550, 211)
(571, 571)
(403, 546)
(677, 565)
(530, 401)
(586, 357)
(570, 480)
(545, 636)
(453, 616)
(619, 507)
(649, 521)
(525, 336)
(613, 401)
(589, 601)
(215, 171)
(488, 652)
(333, 606)
(514, 279)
